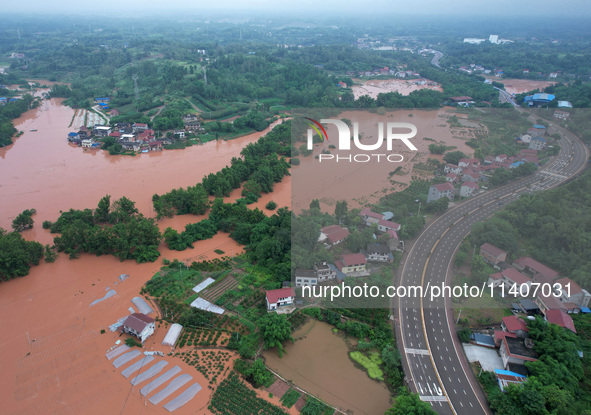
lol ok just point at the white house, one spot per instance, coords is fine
(279, 298)
(452, 168)
(324, 272)
(571, 292)
(304, 277)
(438, 191)
(379, 253)
(525, 138)
(468, 188)
(537, 143)
(139, 325)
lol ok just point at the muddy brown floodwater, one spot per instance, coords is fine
(319, 364)
(362, 183)
(53, 351)
(373, 87)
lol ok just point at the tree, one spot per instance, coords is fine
(407, 403)
(460, 258)
(24, 220)
(454, 157)
(275, 329)
(341, 209)
(101, 214)
(315, 204)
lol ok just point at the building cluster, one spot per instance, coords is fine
(347, 264)
(494, 39)
(566, 297)
(132, 137)
(512, 341)
(469, 172)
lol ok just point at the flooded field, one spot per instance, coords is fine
(53, 349)
(362, 183)
(373, 87)
(519, 86)
(318, 362)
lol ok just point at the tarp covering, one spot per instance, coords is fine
(159, 380)
(183, 398)
(127, 357)
(147, 373)
(142, 305)
(203, 284)
(137, 366)
(109, 294)
(173, 334)
(117, 351)
(205, 305)
(175, 384)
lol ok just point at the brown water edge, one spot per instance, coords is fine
(40, 170)
(373, 87)
(55, 297)
(362, 183)
(319, 364)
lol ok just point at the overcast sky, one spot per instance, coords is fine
(312, 8)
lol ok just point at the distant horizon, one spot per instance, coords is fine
(311, 9)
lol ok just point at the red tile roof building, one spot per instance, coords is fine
(335, 234)
(561, 318)
(492, 254)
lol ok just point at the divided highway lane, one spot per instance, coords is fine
(432, 359)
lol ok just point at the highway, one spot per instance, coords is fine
(433, 359)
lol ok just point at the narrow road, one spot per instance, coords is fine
(434, 364)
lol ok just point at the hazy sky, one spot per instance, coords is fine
(546, 8)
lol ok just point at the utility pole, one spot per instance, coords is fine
(459, 315)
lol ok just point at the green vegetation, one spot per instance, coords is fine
(118, 229)
(17, 255)
(557, 382)
(24, 220)
(537, 224)
(255, 372)
(371, 363)
(409, 403)
(9, 112)
(210, 363)
(132, 342)
(290, 397)
(315, 407)
(271, 205)
(232, 396)
(464, 335)
(275, 329)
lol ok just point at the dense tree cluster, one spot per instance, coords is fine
(117, 229)
(24, 220)
(554, 384)
(260, 167)
(9, 112)
(553, 237)
(17, 255)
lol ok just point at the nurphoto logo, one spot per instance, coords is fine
(388, 132)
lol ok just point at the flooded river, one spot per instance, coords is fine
(52, 349)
